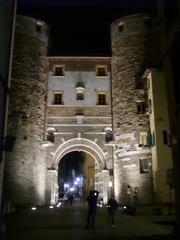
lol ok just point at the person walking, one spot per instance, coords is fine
(92, 208)
(70, 198)
(112, 208)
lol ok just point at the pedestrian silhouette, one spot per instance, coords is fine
(70, 198)
(112, 208)
(92, 208)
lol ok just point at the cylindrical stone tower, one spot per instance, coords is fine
(25, 166)
(132, 53)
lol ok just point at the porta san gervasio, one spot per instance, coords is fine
(108, 115)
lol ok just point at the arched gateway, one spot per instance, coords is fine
(80, 144)
(83, 145)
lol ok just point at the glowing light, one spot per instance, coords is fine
(66, 185)
(51, 207)
(59, 204)
(33, 208)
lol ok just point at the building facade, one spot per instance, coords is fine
(162, 164)
(168, 19)
(78, 117)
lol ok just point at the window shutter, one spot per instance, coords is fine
(149, 139)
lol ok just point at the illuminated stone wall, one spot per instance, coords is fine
(132, 52)
(82, 119)
(25, 170)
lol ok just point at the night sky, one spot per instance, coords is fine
(81, 28)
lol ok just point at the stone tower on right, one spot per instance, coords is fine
(134, 49)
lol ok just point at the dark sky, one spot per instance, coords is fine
(81, 27)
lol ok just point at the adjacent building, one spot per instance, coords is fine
(168, 21)
(162, 164)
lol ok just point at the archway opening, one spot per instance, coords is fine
(77, 174)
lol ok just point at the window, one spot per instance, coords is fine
(79, 96)
(50, 136)
(153, 139)
(39, 26)
(150, 105)
(141, 109)
(58, 98)
(108, 136)
(101, 71)
(146, 139)
(150, 139)
(121, 26)
(165, 137)
(144, 165)
(142, 139)
(147, 21)
(59, 70)
(80, 89)
(101, 98)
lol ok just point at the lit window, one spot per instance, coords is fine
(59, 70)
(144, 165)
(141, 108)
(58, 98)
(101, 71)
(101, 98)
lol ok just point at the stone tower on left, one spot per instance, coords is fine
(25, 167)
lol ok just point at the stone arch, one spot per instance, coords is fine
(79, 144)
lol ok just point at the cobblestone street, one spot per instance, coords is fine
(69, 223)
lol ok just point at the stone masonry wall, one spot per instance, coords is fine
(25, 170)
(130, 56)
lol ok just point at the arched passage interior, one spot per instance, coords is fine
(93, 155)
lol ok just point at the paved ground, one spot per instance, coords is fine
(69, 223)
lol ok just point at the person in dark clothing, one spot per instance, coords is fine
(112, 207)
(70, 198)
(92, 208)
